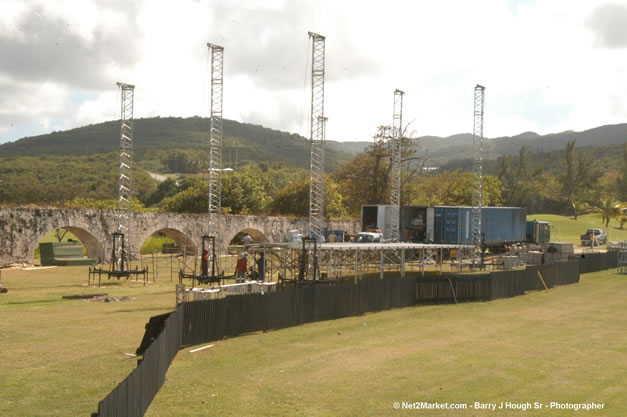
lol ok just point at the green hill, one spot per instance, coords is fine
(608, 156)
(155, 137)
(442, 151)
(83, 162)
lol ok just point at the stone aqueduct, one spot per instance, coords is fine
(21, 229)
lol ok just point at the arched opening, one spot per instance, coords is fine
(255, 235)
(168, 241)
(68, 246)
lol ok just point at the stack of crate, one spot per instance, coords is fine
(621, 247)
(557, 252)
(510, 262)
(534, 257)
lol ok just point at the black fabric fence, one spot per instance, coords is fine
(210, 320)
(440, 289)
(133, 396)
(498, 284)
(593, 262)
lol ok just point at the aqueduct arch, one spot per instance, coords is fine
(91, 234)
(93, 246)
(21, 229)
(256, 235)
(181, 239)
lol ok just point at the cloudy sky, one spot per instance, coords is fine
(547, 65)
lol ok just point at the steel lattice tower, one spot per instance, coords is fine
(125, 181)
(477, 168)
(396, 150)
(318, 132)
(215, 139)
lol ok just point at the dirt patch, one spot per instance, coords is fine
(107, 299)
(24, 266)
(82, 296)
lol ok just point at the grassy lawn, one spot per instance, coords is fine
(566, 229)
(153, 244)
(51, 238)
(567, 345)
(60, 357)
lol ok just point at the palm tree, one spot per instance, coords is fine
(622, 217)
(608, 208)
(579, 208)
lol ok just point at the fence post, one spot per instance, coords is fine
(381, 272)
(403, 263)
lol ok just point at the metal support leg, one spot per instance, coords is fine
(356, 264)
(330, 265)
(382, 265)
(359, 265)
(402, 263)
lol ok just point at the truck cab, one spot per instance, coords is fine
(593, 237)
(368, 237)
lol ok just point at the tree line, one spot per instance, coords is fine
(572, 182)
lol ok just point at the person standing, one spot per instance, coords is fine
(204, 265)
(240, 269)
(246, 239)
(261, 267)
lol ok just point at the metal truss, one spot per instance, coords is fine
(215, 140)
(477, 168)
(621, 247)
(123, 213)
(309, 263)
(318, 133)
(396, 155)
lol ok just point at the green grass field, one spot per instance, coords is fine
(567, 345)
(51, 238)
(152, 245)
(566, 229)
(60, 357)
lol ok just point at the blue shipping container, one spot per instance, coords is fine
(453, 225)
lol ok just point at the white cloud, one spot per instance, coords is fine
(542, 63)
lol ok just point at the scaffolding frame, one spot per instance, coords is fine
(621, 248)
(121, 250)
(318, 134)
(125, 180)
(477, 171)
(215, 140)
(396, 153)
(342, 260)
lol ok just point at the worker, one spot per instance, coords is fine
(204, 265)
(240, 269)
(331, 237)
(252, 274)
(261, 267)
(246, 239)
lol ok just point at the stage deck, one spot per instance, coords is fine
(360, 246)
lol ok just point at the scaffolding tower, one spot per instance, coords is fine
(477, 167)
(396, 150)
(318, 132)
(121, 250)
(215, 140)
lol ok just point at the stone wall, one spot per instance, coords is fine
(21, 229)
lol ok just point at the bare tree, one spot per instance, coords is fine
(59, 234)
